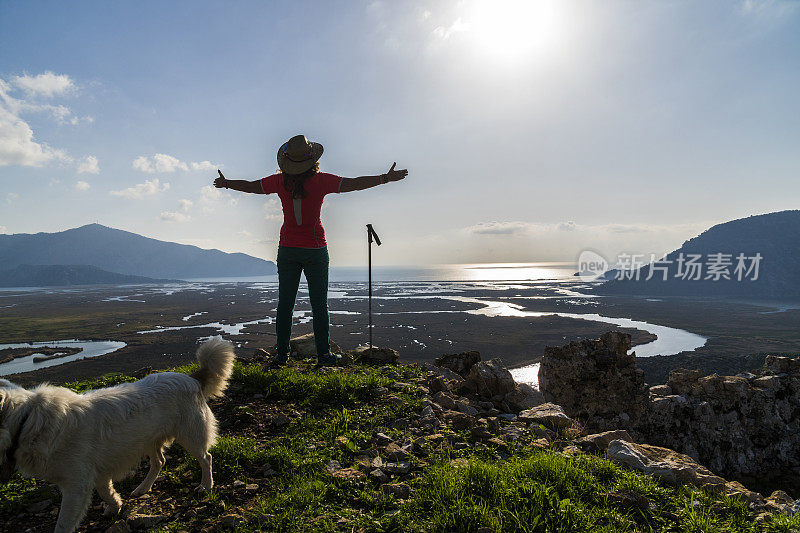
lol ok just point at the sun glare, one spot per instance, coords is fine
(515, 31)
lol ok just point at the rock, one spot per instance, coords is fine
(403, 467)
(490, 378)
(303, 347)
(668, 465)
(735, 489)
(349, 474)
(229, 520)
(660, 390)
(398, 490)
(382, 439)
(461, 421)
(523, 396)
(393, 452)
(145, 521)
(333, 466)
(379, 476)
(600, 441)
(498, 443)
(548, 414)
(596, 381)
(382, 356)
(460, 363)
(445, 400)
(463, 406)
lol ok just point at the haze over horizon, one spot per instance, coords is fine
(531, 130)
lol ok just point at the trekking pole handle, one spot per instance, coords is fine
(371, 233)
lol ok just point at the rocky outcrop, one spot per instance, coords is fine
(673, 468)
(303, 347)
(380, 356)
(596, 381)
(747, 424)
(460, 363)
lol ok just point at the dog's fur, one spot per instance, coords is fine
(86, 441)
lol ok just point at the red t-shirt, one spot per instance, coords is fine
(301, 225)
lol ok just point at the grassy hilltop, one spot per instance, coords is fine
(301, 450)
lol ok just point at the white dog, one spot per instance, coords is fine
(86, 441)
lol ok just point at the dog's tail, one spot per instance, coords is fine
(216, 365)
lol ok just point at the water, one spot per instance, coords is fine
(554, 271)
(26, 364)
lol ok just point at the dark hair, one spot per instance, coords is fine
(293, 183)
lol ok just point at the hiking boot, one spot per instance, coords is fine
(279, 360)
(329, 359)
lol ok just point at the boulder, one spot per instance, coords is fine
(596, 381)
(381, 356)
(523, 396)
(303, 347)
(460, 363)
(548, 414)
(600, 441)
(490, 378)
(668, 465)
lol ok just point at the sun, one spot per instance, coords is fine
(515, 31)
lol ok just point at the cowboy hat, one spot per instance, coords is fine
(298, 154)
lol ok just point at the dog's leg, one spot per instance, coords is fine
(74, 502)
(205, 465)
(157, 462)
(113, 502)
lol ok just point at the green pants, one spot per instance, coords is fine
(314, 262)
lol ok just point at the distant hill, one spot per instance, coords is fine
(123, 252)
(775, 236)
(61, 275)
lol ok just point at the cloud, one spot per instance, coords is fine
(174, 216)
(47, 84)
(273, 210)
(185, 204)
(211, 198)
(456, 27)
(82, 185)
(10, 197)
(89, 165)
(159, 163)
(167, 163)
(18, 145)
(3, 230)
(498, 228)
(140, 190)
(203, 165)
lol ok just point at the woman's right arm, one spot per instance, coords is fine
(238, 185)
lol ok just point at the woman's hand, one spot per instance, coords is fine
(396, 175)
(220, 182)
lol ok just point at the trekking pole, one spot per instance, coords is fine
(370, 234)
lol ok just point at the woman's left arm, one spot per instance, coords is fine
(365, 182)
(238, 185)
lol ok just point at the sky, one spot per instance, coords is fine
(531, 129)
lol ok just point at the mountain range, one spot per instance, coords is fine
(756, 257)
(120, 252)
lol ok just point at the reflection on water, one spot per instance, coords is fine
(26, 364)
